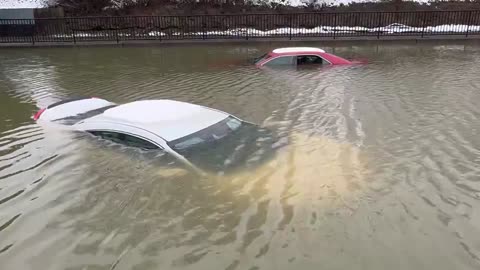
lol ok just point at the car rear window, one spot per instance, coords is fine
(70, 120)
(65, 101)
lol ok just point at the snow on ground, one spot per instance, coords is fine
(391, 29)
(336, 2)
(286, 31)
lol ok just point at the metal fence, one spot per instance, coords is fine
(242, 26)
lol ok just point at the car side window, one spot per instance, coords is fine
(125, 139)
(281, 61)
(310, 60)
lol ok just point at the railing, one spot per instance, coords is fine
(243, 26)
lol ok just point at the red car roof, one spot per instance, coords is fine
(296, 51)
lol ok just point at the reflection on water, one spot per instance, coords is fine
(379, 167)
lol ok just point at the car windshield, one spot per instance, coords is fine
(261, 58)
(225, 145)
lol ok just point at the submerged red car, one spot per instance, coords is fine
(296, 56)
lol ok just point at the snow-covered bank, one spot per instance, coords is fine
(393, 29)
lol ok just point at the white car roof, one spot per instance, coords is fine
(298, 49)
(168, 119)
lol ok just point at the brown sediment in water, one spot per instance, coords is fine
(312, 169)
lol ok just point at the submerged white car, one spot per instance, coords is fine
(204, 138)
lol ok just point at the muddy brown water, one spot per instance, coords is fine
(381, 168)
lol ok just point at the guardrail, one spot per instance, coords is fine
(242, 26)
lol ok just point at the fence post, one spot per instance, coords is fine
(423, 22)
(115, 20)
(135, 25)
(73, 33)
(34, 30)
(379, 24)
(334, 25)
(469, 22)
(204, 28)
(291, 25)
(157, 19)
(246, 24)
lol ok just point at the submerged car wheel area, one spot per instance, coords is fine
(300, 56)
(204, 138)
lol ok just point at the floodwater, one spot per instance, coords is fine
(380, 167)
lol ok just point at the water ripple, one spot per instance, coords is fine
(373, 159)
